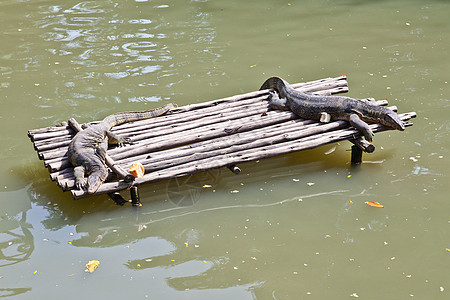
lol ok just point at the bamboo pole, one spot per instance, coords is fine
(49, 134)
(356, 156)
(363, 145)
(40, 132)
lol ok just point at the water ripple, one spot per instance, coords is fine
(87, 7)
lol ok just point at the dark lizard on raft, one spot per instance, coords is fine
(325, 108)
(87, 150)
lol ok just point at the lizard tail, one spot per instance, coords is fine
(123, 117)
(277, 84)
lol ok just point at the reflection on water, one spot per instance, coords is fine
(185, 191)
(92, 43)
(289, 227)
(78, 54)
(16, 241)
(13, 292)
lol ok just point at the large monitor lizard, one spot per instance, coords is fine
(313, 107)
(87, 150)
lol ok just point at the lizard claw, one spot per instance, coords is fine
(80, 184)
(124, 141)
(368, 135)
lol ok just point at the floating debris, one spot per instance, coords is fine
(373, 204)
(330, 151)
(137, 170)
(92, 265)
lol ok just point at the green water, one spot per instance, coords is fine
(291, 227)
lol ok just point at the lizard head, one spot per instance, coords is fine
(392, 119)
(94, 181)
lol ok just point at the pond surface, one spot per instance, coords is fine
(290, 227)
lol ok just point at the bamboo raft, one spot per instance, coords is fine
(199, 137)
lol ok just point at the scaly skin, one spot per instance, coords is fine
(308, 106)
(87, 150)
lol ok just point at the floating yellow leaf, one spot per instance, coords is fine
(92, 265)
(137, 170)
(374, 204)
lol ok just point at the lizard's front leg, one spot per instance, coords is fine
(361, 126)
(275, 102)
(116, 139)
(80, 181)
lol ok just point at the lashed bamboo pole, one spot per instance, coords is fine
(37, 134)
(33, 132)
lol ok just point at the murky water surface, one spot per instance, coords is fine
(291, 227)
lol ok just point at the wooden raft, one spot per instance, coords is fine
(199, 137)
